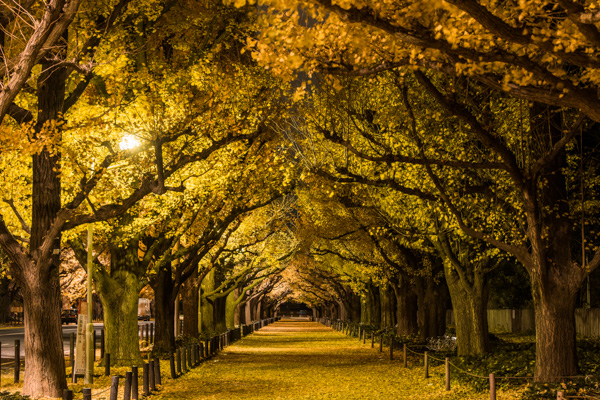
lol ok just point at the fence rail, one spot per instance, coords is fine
(353, 330)
(181, 361)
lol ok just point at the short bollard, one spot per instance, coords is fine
(178, 359)
(127, 390)
(134, 383)
(87, 394)
(94, 344)
(72, 349)
(172, 365)
(145, 381)
(426, 361)
(107, 364)
(157, 377)
(67, 394)
(405, 361)
(492, 387)
(17, 360)
(447, 374)
(184, 359)
(151, 381)
(102, 349)
(114, 387)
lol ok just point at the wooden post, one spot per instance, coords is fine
(391, 348)
(560, 395)
(193, 356)
(151, 380)
(102, 349)
(114, 387)
(67, 394)
(72, 349)
(447, 374)
(134, 383)
(183, 359)
(87, 394)
(381, 343)
(157, 377)
(178, 358)
(372, 340)
(107, 364)
(492, 387)
(364, 336)
(404, 351)
(17, 360)
(145, 379)
(201, 351)
(426, 360)
(127, 390)
(359, 332)
(172, 365)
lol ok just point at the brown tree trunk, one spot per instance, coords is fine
(119, 293)
(164, 306)
(190, 297)
(469, 302)
(406, 307)
(45, 371)
(556, 353)
(44, 375)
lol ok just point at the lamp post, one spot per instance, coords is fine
(89, 329)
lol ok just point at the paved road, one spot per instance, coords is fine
(9, 335)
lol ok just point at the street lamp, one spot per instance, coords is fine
(89, 329)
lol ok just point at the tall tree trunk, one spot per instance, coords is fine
(45, 371)
(164, 340)
(230, 307)
(387, 307)
(205, 309)
(219, 316)
(190, 297)
(555, 278)
(406, 307)
(469, 303)
(119, 293)
(44, 375)
(556, 353)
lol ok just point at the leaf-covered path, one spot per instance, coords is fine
(305, 360)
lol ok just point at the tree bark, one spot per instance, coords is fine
(406, 307)
(470, 313)
(45, 372)
(119, 293)
(44, 375)
(164, 300)
(190, 297)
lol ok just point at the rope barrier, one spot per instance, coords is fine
(102, 392)
(468, 373)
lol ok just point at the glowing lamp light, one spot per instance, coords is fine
(129, 142)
